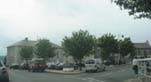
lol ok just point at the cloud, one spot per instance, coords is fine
(54, 19)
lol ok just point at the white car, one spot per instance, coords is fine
(68, 68)
(94, 65)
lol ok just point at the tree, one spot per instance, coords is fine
(44, 49)
(138, 8)
(126, 47)
(80, 44)
(108, 45)
(26, 52)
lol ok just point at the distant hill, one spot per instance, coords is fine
(2, 57)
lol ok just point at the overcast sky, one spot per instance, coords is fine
(54, 19)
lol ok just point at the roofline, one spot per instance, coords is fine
(16, 46)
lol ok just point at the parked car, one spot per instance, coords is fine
(14, 66)
(80, 64)
(24, 66)
(69, 67)
(59, 66)
(94, 65)
(51, 65)
(108, 62)
(3, 73)
(37, 65)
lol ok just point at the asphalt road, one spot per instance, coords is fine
(113, 74)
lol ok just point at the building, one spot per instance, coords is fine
(13, 51)
(143, 49)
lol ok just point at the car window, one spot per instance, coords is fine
(90, 62)
(1, 64)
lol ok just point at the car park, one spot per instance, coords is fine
(3, 73)
(94, 65)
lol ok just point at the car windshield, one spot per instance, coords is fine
(90, 62)
(75, 40)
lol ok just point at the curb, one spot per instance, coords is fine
(133, 80)
(62, 72)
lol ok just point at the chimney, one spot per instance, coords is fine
(147, 41)
(26, 39)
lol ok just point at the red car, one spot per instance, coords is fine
(37, 65)
(3, 73)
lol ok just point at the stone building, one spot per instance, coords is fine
(13, 51)
(143, 49)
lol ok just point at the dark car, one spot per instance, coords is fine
(3, 73)
(69, 66)
(80, 65)
(108, 62)
(51, 65)
(15, 66)
(59, 66)
(24, 66)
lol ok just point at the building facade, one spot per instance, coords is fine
(143, 49)
(13, 51)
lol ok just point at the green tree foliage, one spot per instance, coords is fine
(80, 44)
(44, 49)
(126, 47)
(138, 8)
(26, 52)
(108, 45)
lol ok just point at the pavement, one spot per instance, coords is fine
(120, 73)
(140, 79)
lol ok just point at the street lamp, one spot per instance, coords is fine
(119, 48)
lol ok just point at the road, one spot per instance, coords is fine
(113, 74)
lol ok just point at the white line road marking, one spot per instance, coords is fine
(121, 70)
(91, 80)
(108, 74)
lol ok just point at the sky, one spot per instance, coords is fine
(55, 19)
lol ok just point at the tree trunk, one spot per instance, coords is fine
(80, 65)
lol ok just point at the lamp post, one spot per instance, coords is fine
(119, 48)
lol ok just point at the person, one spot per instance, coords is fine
(135, 66)
(148, 68)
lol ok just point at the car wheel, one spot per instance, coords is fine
(5, 80)
(104, 69)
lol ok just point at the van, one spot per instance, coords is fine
(94, 65)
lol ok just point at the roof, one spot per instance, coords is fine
(24, 43)
(144, 59)
(30, 43)
(142, 45)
